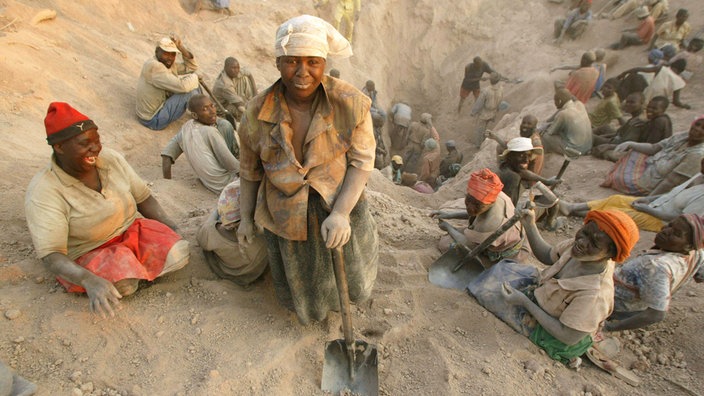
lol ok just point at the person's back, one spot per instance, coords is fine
(573, 126)
(581, 82)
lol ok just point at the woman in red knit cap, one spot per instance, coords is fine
(82, 211)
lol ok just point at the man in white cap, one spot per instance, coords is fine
(307, 149)
(513, 170)
(165, 85)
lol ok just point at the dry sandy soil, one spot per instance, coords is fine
(193, 334)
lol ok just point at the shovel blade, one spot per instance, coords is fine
(336, 369)
(440, 273)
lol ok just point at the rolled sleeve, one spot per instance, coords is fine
(363, 145)
(250, 163)
(173, 149)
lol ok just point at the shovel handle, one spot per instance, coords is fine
(489, 240)
(343, 291)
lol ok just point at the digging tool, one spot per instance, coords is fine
(551, 215)
(350, 365)
(228, 116)
(456, 268)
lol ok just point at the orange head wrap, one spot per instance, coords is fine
(622, 230)
(485, 186)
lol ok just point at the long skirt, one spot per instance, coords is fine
(302, 271)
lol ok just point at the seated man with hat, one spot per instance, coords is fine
(165, 85)
(513, 170)
(488, 208)
(83, 212)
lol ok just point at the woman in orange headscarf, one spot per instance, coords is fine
(569, 301)
(488, 208)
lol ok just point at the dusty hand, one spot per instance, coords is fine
(245, 234)
(528, 214)
(437, 214)
(335, 230)
(553, 181)
(625, 146)
(639, 206)
(102, 295)
(177, 40)
(511, 295)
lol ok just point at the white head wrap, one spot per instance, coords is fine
(306, 35)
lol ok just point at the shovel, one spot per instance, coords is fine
(570, 155)
(350, 365)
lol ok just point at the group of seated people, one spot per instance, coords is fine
(95, 224)
(593, 282)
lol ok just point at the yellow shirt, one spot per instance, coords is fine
(156, 83)
(67, 217)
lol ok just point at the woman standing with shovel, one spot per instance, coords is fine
(307, 149)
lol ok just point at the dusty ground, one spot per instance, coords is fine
(192, 333)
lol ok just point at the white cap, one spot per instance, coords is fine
(168, 45)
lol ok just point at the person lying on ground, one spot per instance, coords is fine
(640, 35)
(307, 149)
(561, 308)
(606, 138)
(527, 129)
(83, 215)
(569, 127)
(673, 32)
(574, 24)
(487, 209)
(651, 169)
(608, 108)
(164, 85)
(222, 252)
(646, 283)
(234, 88)
(207, 151)
(650, 213)
(513, 170)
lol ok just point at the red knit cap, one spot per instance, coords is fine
(620, 227)
(485, 186)
(63, 122)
